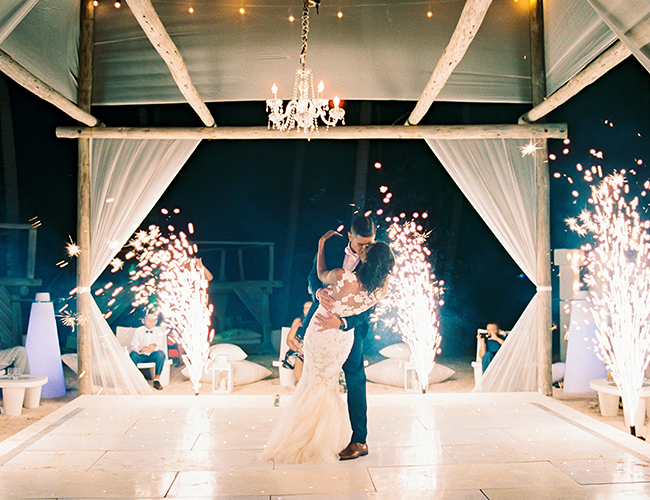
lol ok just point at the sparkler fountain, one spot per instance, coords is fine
(619, 281)
(168, 270)
(414, 297)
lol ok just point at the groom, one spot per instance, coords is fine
(361, 237)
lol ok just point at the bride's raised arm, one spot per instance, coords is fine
(327, 277)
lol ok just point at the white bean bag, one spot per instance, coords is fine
(243, 372)
(391, 372)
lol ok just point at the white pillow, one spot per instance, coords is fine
(234, 352)
(397, 351)
(243, 372)
(391, 372)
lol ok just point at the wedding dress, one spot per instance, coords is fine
(315, 425)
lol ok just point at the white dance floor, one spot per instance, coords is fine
(434, 446)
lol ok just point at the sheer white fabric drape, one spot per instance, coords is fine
(500, 184)
(574, 35)
(127, 179)
(630, 20)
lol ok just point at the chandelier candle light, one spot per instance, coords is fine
(305, 108)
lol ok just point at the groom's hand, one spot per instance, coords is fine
(324, 298)
(326, 321)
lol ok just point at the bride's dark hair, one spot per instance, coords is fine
(379, 262)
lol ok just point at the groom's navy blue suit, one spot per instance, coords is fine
(355, 374)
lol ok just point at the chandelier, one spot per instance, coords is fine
(305, 109)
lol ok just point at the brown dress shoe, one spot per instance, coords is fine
(354, 450)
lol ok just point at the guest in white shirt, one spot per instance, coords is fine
(147, 346)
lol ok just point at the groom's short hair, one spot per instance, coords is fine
(363, 226)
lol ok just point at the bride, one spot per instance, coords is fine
(315, 425)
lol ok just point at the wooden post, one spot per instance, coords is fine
(84, 348)
(543, 278)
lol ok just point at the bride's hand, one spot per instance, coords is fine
(327, 236)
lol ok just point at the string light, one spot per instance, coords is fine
(339, 15)
(242, 11)
(117, 4)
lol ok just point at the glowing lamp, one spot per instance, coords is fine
(222, 375)
(42, 346)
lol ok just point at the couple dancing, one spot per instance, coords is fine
(316, 425)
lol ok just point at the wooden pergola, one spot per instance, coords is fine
(468, 25)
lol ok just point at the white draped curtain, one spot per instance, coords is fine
(500, 184)
(127, 178)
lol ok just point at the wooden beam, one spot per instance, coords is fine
(466, 29)
(608, 60)
(153, 27)
(534, 131)
(38, 87)
(5, 281)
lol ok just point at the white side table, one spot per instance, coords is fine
(23, 390)
(221, 376)
(608, 395)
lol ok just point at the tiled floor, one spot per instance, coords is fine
(433, 446)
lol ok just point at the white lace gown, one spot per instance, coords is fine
(315, 425)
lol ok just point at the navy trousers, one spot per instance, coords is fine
(355, 380)
(157, 357)
(491, 348)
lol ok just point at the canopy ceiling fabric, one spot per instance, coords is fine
(45, 41)
(574, 35)
(630, 21)
(499, 182)
(379, 49)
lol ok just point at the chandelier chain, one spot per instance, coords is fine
(306, 108)
(304, 33)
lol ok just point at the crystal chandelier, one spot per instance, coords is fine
(305, 109)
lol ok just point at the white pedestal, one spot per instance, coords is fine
(582, 362)
(43, 351)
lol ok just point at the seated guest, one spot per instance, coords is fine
(147, 344)
(14, 357)
(295, 357)
(490, 343)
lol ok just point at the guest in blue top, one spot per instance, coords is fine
(490, 343)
